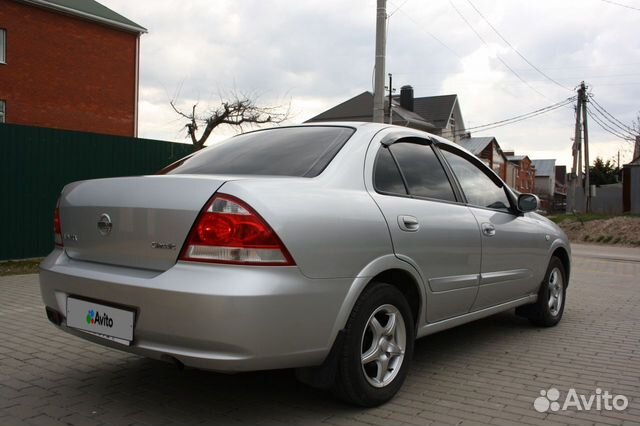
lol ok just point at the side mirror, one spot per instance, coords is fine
(528, 203)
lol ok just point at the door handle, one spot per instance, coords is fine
(408, 223)
(488, 229)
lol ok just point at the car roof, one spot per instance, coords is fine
(362, 125)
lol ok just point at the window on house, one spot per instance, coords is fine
(3, 107)
(3, 48)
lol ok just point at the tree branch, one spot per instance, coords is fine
(235, 113)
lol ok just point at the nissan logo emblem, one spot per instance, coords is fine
(104, 224)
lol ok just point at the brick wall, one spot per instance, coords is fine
(495, 160)
(526, 179)
(67, 73)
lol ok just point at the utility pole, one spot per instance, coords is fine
(378, 89)
(585, 131)
(390, 98)
(579, 196)
(574, 198)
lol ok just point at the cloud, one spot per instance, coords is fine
(319, 53)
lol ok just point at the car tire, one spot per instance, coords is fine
(549, 308)
(377, 348)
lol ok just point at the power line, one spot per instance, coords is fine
(429, 33)
(615, 121)
(621, 5)
(497, 56)
(514, 49)
(520, 117)
(558, 104)
(610, 123)
(396, 9)
(607, 128)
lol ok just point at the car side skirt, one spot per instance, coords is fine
(472, 316)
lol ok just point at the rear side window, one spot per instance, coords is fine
(387, 177)
(287, 151)
(422, 170)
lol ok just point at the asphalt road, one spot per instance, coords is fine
(487, 372)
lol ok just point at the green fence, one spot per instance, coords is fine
(35, 163)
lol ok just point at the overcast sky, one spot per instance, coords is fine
(317, 54)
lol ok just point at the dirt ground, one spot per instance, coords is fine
(620, 230)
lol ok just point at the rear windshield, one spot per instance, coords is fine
(287, 151)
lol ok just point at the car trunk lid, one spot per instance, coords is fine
(139, 222)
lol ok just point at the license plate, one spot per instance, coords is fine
(105, 321)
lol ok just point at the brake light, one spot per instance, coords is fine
(57, 229)
(229, 231)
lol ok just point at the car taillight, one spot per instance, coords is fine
(229, 231)
(57, 229)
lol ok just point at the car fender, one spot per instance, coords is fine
(371, 270)
(560, 243)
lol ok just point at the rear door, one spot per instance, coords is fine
(430, 227)
(513, 247)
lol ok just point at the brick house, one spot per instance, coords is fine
(69, 64)
(521, 174)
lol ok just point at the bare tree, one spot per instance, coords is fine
(238, 111)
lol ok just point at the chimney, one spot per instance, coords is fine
(636, 150)
(509, 153)
(406, 97)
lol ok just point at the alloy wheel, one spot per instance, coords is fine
(556, 291)
(383, 345)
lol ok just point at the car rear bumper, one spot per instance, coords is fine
(216, 317)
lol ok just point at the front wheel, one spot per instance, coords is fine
(548, 310)
(378, 347)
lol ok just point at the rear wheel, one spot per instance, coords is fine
(548, 310)
(378, 347)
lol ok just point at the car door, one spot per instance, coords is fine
(513, 247)
(430, 227)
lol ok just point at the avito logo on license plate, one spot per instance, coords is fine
(106, 321)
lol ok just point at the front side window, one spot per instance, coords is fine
(478, 187)
(3, 107)
(422, 170)
(3, 45)
(302, 151)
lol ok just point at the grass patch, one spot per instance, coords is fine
(587, 217)
(19, 267)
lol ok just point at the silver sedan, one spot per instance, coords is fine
(328, 248)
